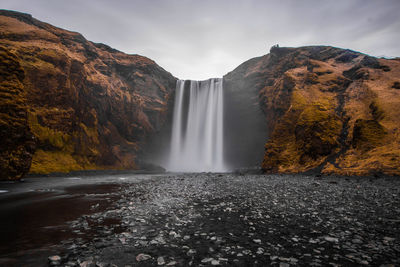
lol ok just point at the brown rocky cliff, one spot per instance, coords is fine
(328, 109)
(17, 142)
(88, 105)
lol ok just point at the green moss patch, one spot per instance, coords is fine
(368, 134)
(44, 162)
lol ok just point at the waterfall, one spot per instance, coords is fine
(197, 127)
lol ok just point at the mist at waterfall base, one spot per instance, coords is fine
(215, 125)
(197, 131)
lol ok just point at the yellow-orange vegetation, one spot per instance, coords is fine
(328, 109)
(88, 105)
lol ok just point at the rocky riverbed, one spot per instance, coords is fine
(236, 220)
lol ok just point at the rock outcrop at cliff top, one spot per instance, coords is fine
(83, 105)
(328, 110)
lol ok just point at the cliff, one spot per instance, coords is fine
(70, 104)
(327, 109)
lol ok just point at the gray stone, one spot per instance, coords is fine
(191, 252)
(207, 260)
(214, 262)
(331, 239)
(143, 257)
(160, 261)
(54, 258)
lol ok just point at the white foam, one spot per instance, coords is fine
(3, 191)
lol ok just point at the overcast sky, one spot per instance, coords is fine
(208, 38)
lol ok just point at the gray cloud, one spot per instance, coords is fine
(202, 39)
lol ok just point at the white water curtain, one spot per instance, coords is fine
(197, 143)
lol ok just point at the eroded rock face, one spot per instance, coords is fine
(88, 106)
(17, 141)
(327, 109)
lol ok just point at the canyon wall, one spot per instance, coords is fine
(327, 109)
(70, 104)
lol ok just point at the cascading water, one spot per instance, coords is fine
(197, 131)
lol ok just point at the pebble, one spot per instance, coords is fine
(214, 262)
(260, 251)
(87, 264)
(191, 252)
(54, 260)
(273, 258)
(331, 239)
(389, 239)
(143, 257)
(207, 260)
(160, 261)
(191, 204)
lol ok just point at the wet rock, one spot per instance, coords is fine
(356, 241)
(215, 262)
(142, 257)
(206, 260)
(331, 239)
(160, 261)
(88, 263)
(54, 260)
(191, 252)
(389, 239)
(179, 207)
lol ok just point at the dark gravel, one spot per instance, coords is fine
(244, 220)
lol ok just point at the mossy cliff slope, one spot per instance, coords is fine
(87, 105)
(328, 109)
(17, 142)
